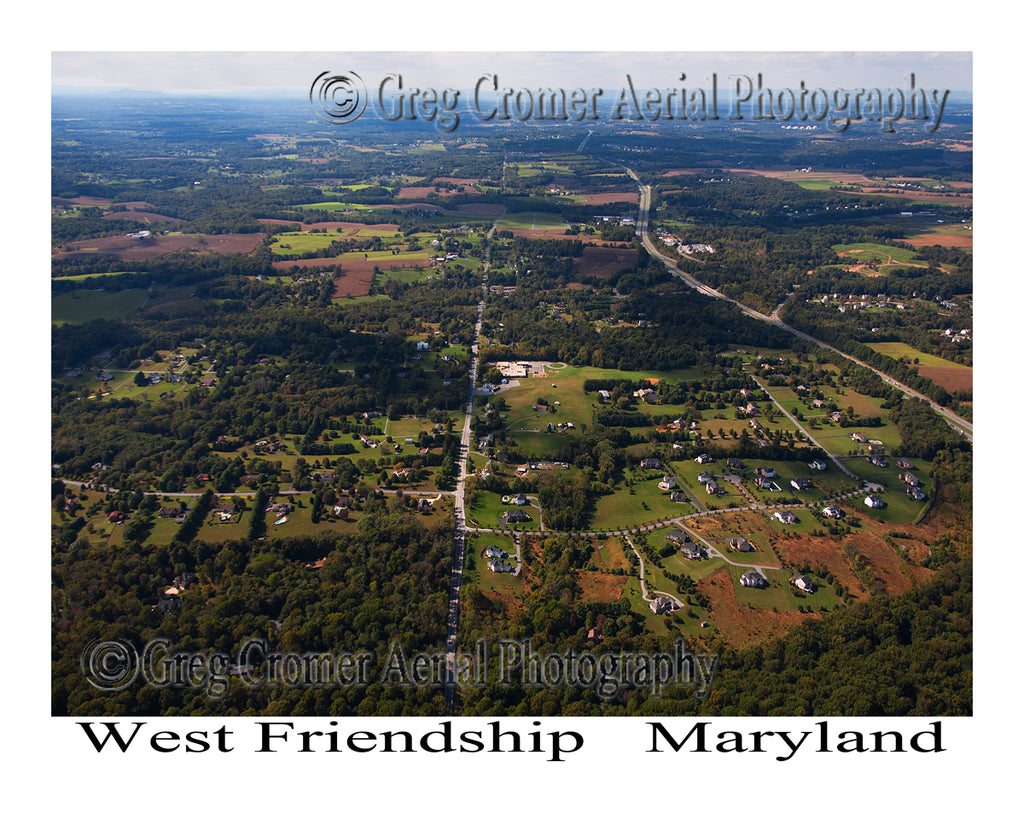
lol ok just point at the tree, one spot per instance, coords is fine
(140, 379)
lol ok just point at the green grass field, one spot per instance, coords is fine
(872, 252)
(80, 306)
(645, 504)
(302, 242)
(85, 276)
(814, 184)
(332, 206)
(897, 349)
(407, 275)
(531, 220)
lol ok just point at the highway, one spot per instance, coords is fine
(963, 426)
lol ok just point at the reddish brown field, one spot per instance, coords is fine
(950, 378)
(352, 228)
(136, 249)
(349, 229)
(298, 224)
(895, 574)
(137, 205)
(417, 192)
(840, 178)
(601, 586)
(604, 262)
(352, 283)
(145, 217)
(944, 239)
(606, 198)
(84, 201)
(528, 233)
(418, 206)
(743, 626)
(595, 239)
(356, 275)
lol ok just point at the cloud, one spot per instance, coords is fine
(234, 72)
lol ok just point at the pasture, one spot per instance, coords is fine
(78, 306)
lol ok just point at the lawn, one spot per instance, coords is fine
(685, 622)
(642, 503)
(900, 508)
(565, 386)
(487, 508)
(476, 565)
(539, 444)
(780, 595)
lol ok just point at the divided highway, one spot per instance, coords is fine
(961, 425)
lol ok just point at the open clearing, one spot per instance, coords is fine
(897, 349)
(145, 217)
(608, 198)
(80, 305)
(532, 224)
(122, 247)
(947, 374)
(949, 378)
(604, 262)
(741, 625)
(965, 239)
(824, 180)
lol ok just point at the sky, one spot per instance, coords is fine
(238, 72)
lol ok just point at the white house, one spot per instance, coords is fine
(803, 582)
(753, 579)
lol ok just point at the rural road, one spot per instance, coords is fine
(458, 561)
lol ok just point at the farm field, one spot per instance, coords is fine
(947, 374)
(127, 249)
(80, 306)
(897, 349)
(334, 206)
(533, 224)
(604, 262)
